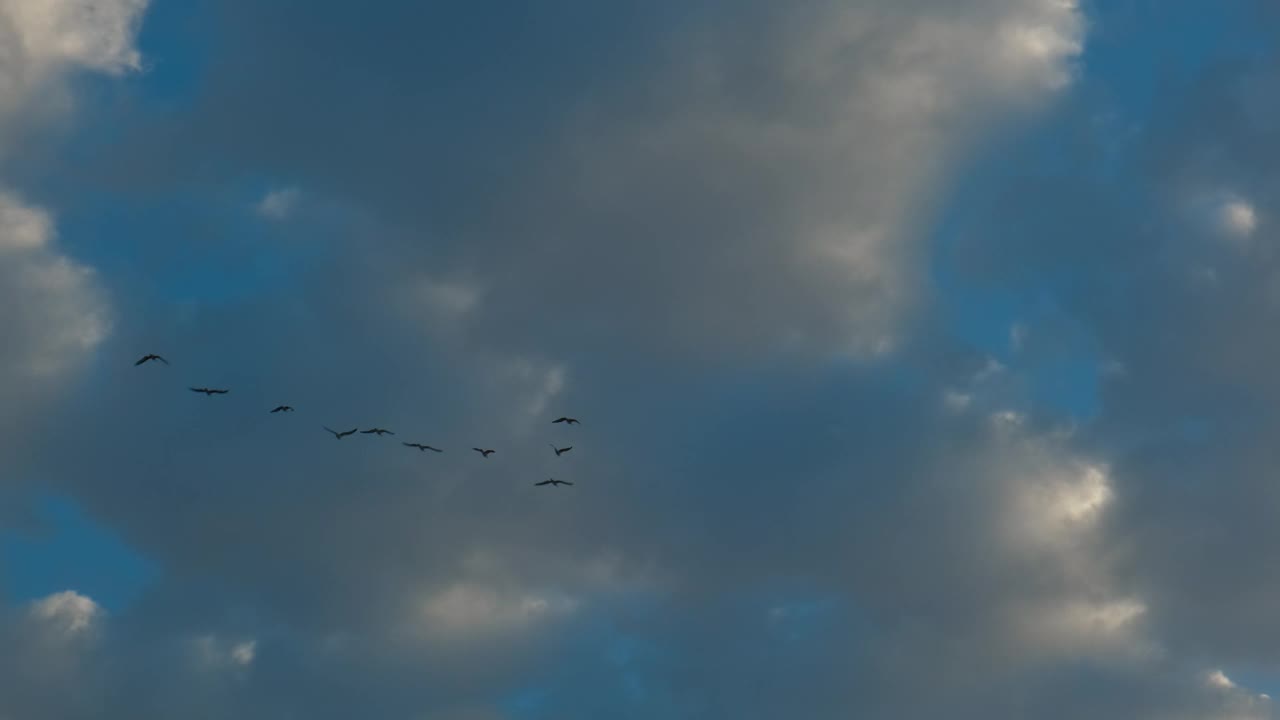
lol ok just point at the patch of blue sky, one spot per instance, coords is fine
(70, 551)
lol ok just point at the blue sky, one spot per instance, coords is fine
(923, 352)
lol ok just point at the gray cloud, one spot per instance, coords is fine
(753, 535)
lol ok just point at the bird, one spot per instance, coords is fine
(376, 431)
(560, 451)
(422, 447)
(485, 453)
(209, 391)
(283, 408)
(571, 421)
(553, 482)
(340, 435)
(149, 357)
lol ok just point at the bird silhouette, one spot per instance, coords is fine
(340, 435)
(376, 431)
(149, 357)
(209, 391)
(422, 447)
(560, 451)
(553, 482)
(571, 421)
(283, 408)
(485, 453)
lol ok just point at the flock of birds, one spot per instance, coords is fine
(484, 452)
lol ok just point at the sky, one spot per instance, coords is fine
(924, 353)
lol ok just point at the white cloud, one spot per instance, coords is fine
(472, 607)
(955, 400)
(279, 204)
(42, 40)
(245, 652)
(215, 652)
(1239, 218)
(53, 310)
(94, 34)
(447, 299)
(1218, 679)
(68, 611)
(774, 190)
(22, 227)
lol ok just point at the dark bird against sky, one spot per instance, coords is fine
(420, 446)
(283, 408)
(485, 453)
(553, 482)
(209, 391)
(571, 421)
(149, 357)
(376, 431)
(340, 435)
(561, 451)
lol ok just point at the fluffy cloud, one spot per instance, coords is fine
(52, 307)
(755, 181)
(53, 311)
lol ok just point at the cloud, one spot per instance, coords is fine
(214, 652)
(1239, 218)
(278, 204)
(43, 42)
(761, 182)
(760, 188)
(54, 312)
(68, 611)
(94, 34)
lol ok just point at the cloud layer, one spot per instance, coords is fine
(680, 224)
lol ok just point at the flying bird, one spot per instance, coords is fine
(149, 357)
(422, 447)
(485, 453)
(376, 431)
(553, 482)
(571, 421)
(209, 391)
(340, 435)
(560, 451)
(283, 408)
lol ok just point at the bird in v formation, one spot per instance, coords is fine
(338, 435)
